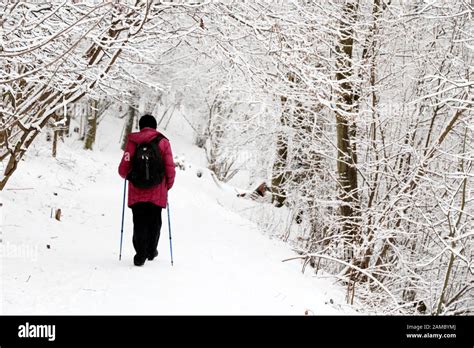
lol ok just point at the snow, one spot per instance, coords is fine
(223, 264)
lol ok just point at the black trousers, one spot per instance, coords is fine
(146, 228)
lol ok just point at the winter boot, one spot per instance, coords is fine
(138, 261)
(153, 255)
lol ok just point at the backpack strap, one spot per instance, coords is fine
(158, 138)
(155, 142)
(161, 136)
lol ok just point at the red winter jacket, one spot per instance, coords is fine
(156, 194)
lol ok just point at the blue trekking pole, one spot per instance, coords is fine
(169, 229)
(123, 214)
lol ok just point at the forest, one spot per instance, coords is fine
(355, 118)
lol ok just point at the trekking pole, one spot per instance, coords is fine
(123, 215)
(169, 229)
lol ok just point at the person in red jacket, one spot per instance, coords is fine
(147, 203)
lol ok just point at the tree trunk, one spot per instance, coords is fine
(82, 124)
(55, 137)
(91, 125)
(345, 131)
(129, 125)
(68, 124)
(280, 175)
(369, 53)
(279, 167)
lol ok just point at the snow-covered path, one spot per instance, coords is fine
(223, 263)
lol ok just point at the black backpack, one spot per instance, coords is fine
(148, 168)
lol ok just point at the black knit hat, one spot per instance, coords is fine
(147, 121)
